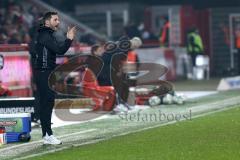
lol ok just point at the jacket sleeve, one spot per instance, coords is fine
(50, 43)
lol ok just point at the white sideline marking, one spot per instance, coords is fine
(76, 133)
(31, 143)
(189, 94)
(215, 105)
(59, 149)
(196, 94)
(40, 154)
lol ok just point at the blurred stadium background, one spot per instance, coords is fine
(218, 22)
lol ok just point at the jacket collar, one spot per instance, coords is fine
(44, 28)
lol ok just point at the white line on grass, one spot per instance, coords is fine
(59, 149)
(39, 141)
(164, 124)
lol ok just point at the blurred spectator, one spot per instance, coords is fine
(34, 12)
(225, 31)
(28, 19)
(145, 34)
(194, 44)
(237, 45)
(164, 33)
(132, 30)
(16, 21)
(14, 39)
(3, 38)
(4, 91)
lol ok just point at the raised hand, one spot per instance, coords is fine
(71, 32)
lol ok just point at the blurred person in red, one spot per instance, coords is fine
(237, 45)
(164, 34)
(4, 91)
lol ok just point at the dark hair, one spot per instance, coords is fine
(48, 16)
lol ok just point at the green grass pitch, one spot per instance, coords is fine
(211, 137)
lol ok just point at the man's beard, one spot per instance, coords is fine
(55, 27)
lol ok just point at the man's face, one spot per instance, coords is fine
(53, 23)
(99, 51)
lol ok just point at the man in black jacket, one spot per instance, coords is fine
(45, 61)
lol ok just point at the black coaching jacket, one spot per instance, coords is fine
(104, 77)
(46, 49)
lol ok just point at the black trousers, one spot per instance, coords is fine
(193, 57)
(35, 116)
(46, 100)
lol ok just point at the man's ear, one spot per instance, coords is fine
(47, 23)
